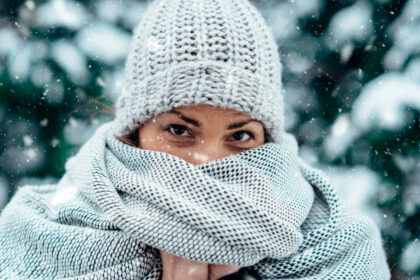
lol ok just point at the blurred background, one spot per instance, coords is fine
(352, 93)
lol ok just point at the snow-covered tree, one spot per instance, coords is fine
(351, 85)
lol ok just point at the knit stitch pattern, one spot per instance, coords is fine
(188, 52)
(116, 205)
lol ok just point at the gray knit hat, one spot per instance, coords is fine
(189, 52)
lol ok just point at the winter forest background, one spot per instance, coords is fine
(352, 93)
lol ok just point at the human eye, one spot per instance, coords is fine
(243, 135)
(177, 129)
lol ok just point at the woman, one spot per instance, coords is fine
(195, 178)
(198, 134)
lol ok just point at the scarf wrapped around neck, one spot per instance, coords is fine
(116, 205)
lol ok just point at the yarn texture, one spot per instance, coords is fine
(116, 205)
(188, 52)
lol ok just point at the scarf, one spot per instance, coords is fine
(263, 208)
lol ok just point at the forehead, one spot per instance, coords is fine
(206, 108)
(222, 119)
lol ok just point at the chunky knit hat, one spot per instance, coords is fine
(189, 52)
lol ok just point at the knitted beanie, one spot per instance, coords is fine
(189, 52)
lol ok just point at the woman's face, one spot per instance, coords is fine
(201, 133)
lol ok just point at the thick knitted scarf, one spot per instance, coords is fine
(116, 205)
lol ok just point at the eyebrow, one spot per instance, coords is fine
(188, 120)
(196, 123)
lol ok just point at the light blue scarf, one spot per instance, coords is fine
(116, 205)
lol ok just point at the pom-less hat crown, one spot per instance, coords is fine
(189, 52)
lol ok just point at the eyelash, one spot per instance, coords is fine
(169, 126)
(251, 135)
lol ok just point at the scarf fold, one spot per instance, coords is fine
(116, 205)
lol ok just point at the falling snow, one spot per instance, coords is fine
(351, 88)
